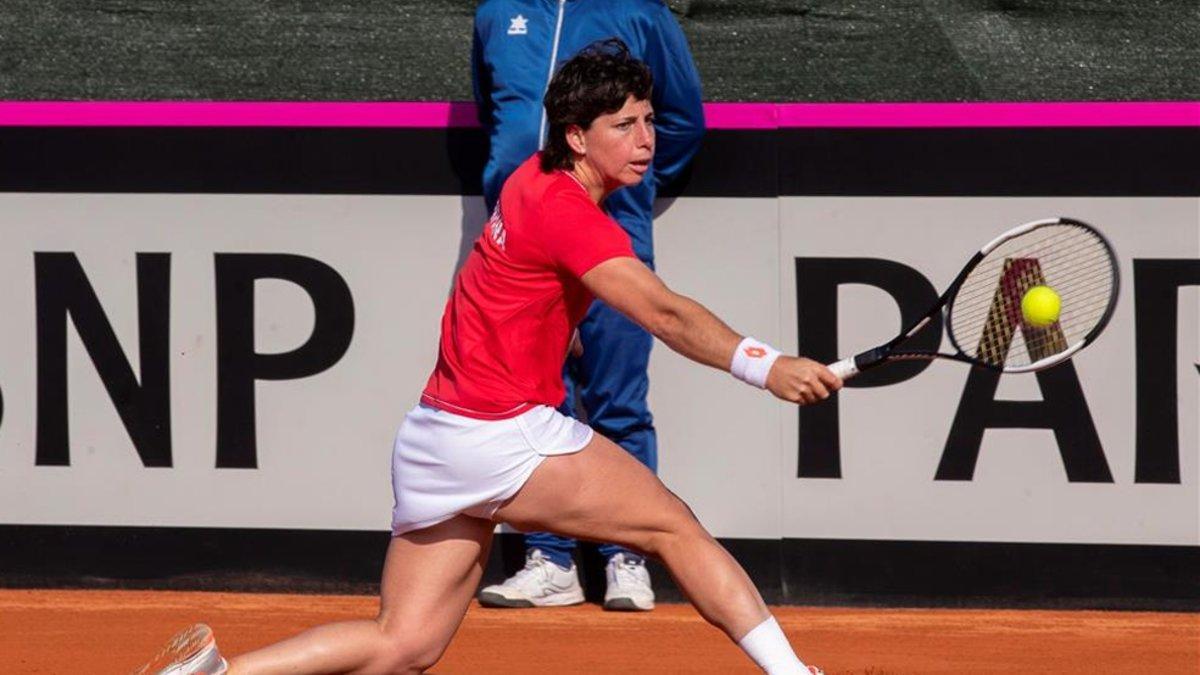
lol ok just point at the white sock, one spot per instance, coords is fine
(769, 648)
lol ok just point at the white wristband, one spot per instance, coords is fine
(752, 362)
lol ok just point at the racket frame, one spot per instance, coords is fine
(851, 366)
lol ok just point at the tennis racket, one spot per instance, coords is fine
(982, 306)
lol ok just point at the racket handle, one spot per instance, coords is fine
(845, 368)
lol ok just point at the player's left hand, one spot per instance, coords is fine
(801, 380)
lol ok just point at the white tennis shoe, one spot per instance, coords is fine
(628, 584)
(540, 583)
(192, 651)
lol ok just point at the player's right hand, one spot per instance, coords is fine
(801, 380)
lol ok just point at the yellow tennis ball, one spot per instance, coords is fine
(1040, 306)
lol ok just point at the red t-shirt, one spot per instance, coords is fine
(518, 298)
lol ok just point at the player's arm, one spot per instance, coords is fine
(687, 327)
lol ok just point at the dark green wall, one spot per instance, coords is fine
(747, 50)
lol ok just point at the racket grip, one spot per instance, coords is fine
(845, 368)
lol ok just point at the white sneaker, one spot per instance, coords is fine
(192, 651)
(628, 584)
(540, 584)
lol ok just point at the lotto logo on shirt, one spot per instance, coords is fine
(496, 228)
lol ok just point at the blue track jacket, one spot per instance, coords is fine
(519, 44)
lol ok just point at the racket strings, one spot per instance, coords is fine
(1088, 260)
(1098, 288)
(1000, 340)
(1097, 265)
(994, 263)
(1038, 341)
(1099, 279)
(986, 316)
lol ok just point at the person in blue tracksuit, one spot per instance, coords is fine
(517, 47)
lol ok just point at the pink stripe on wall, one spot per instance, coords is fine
(717, 115)
(1135, 114)
(236, 114)
(741, 115)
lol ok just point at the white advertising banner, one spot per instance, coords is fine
(322, 442)
(1062, 467)
(243, 361)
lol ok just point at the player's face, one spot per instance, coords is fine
(620, 145)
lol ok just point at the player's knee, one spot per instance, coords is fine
(679, 529)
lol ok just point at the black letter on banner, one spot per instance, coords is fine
(817, 281)
(63, 290)
(1156, 307)
(1062, 409)
(238, 366)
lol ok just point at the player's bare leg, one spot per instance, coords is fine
(429, 578)
(602, 493)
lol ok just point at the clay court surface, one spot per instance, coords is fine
(98, 632)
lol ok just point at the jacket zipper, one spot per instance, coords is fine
(550, 75)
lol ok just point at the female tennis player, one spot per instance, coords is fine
(486, 445)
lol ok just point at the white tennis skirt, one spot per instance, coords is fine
(445, 464)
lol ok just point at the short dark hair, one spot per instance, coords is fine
(594, 82)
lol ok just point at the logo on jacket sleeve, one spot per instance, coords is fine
(518, 25)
